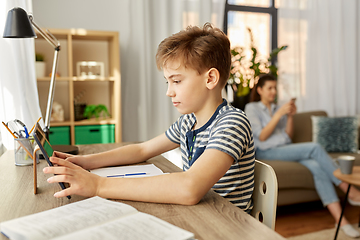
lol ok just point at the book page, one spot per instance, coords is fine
(66, 219)
(147, 170)
(138, 226)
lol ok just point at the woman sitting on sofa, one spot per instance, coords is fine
(273, 128)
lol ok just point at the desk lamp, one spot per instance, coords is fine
(19, 25)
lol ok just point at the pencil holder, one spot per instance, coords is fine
(24, 148)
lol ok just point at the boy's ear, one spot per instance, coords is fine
(213, 78)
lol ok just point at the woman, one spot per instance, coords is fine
(273, 128)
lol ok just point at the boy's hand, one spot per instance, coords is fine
(81, 182)
(76, 159)
(61, 155)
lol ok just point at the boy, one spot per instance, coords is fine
(215, 139)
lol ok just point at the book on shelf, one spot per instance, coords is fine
(92, 218)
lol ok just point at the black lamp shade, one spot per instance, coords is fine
(18, 25)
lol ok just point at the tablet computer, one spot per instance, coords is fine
(45, 148)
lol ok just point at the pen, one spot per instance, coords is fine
(34, 125)
(26, 132)
(9, 130)
(127, 174)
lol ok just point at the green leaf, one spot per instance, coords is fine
(250, 68)
(276, 51)
(96, 111)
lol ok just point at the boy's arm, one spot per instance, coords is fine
(129, 154)
(181, 188)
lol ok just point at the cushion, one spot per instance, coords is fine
(336, 134)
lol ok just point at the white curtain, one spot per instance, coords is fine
(144, 99)
(18, 91)
(320, 66)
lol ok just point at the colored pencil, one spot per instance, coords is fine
(34, 125)
(9, 130)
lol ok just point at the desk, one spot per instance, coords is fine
(212, 218)
(351, 179)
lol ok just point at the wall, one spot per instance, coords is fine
(108, 15)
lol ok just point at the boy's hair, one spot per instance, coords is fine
(199, 49)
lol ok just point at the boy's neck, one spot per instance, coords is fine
(203, 116)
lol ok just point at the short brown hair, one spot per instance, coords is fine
(199, 49)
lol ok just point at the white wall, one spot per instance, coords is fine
(107, 15)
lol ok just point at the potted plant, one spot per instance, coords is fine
(95, 111)
(39, 65)
(245, 71)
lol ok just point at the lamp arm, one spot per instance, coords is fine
(51, 93)
(46, 35)
(56, 44)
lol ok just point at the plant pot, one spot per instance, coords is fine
(40, 69)
(79, 109)
(240, 102)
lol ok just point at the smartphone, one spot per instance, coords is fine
(45, 148)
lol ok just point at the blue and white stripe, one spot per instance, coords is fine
(228, 131)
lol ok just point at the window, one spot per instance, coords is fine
(258, 15)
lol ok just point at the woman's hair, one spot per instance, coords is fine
(199, 49)
(255, 97)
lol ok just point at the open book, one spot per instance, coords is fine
(93, 218)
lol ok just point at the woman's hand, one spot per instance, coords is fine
(293, 108)
(81, 182)
(288, 108)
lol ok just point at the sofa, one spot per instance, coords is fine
(295, 182)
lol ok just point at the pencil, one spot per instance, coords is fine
(9, 130)
(34, 125)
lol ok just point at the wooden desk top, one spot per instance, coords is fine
(353, 178)
(213, 218)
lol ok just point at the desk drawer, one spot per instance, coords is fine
(59, 135)
(95, 134)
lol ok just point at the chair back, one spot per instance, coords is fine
(265, 194)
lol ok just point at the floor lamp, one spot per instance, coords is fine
(20, 25)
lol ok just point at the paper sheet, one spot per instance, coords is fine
(129, 171)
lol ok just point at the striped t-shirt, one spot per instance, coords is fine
(229, 131)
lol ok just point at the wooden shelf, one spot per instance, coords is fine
(110, 79)
(56, 79)
(95, 122)
(83, 45)
(60, 124)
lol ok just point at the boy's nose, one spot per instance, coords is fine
(170, 92)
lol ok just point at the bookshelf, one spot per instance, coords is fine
(79, 45)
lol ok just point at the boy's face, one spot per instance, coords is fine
(186, 87)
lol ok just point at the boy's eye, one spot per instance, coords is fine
(176, 81)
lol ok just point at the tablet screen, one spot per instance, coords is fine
(43, 143)
(48, 148)
(45, 147)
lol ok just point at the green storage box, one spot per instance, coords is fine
(95, 134)
(59, 135)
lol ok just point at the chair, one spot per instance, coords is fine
(265, 194)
